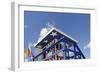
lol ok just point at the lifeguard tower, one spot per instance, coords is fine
(56, 45)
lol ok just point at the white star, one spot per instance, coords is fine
(39, 46)
(54, 34)
(45, 41)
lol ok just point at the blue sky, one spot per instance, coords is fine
(76, 25)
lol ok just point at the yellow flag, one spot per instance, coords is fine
(27, 52)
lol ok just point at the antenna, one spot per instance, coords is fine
(50, 25)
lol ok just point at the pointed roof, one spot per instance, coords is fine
(54, 32)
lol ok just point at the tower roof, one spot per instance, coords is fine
(53, 33)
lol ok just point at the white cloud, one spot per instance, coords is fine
(45, 30)
(87, 46)
(29, 45)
